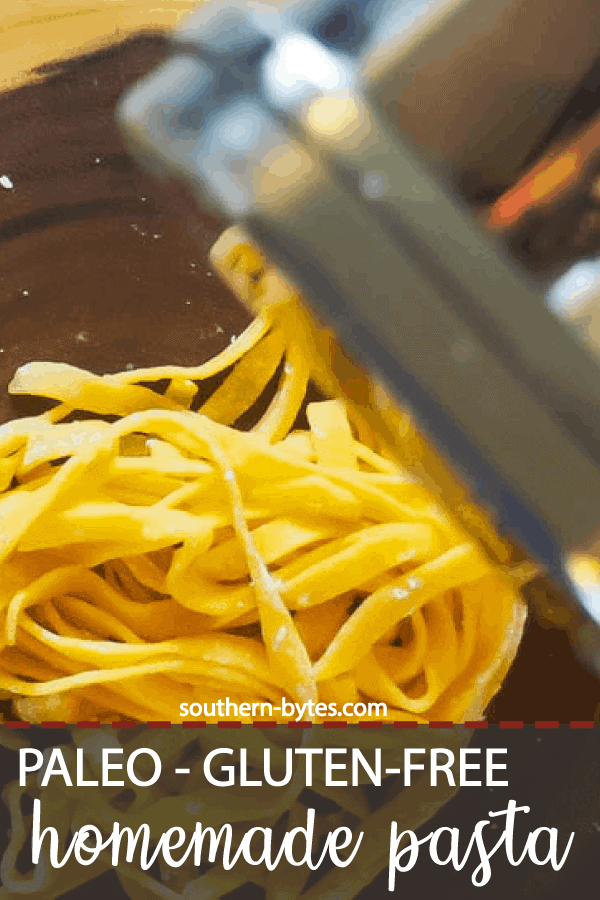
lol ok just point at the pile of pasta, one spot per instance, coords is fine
(151, 552)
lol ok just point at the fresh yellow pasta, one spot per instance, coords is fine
(170, 557)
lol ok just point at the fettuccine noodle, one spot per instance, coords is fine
(168, 556)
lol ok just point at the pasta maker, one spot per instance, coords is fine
(354, 139)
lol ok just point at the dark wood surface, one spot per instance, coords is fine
(100, 265)
(103, 267)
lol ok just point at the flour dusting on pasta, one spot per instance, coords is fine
(152, 552)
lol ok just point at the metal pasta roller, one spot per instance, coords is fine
(351, 138)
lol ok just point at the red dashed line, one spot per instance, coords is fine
(332, 723)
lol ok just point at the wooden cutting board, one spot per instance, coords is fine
(35, 32)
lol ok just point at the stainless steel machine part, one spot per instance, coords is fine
(280, 117)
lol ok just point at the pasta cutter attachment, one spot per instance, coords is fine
(280, 118)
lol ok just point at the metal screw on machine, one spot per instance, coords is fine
(275, 115)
